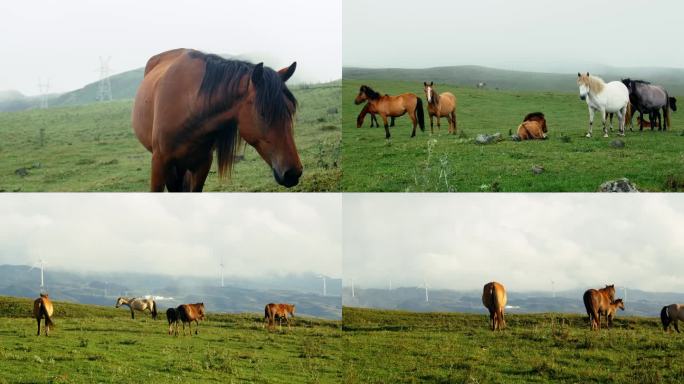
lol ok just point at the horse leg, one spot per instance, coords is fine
(591, 121)
(392, 121)
(132, 314)
(439, 125)
(199, 176)
(158, 174)
(622, 113)
(196, 327)
(676, 327)
(414, 120)
(453, 118)
(603, 120)
(384, 121)
(38, 334)
(432, 129)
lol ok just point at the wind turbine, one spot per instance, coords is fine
(390, 284)
(221, 265)
(352, 284)
(325, 289)
(553, 289)
(427, 300)
(40, 263)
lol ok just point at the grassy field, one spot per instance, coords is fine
(93, 148)
(442, 162)
(96, 344)
(459, 348)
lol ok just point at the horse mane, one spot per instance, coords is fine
(595, 83)
(222, 86)
(532, 115)
(370, 92)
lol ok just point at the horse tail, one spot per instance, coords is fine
(665, 318)
(420, 114)
(266, 311)
(666, 111)
(154, 309)
(44, 313)
(226, 144)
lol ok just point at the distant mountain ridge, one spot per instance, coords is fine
(504, 79)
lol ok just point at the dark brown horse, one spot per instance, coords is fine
(187, 313)
(672, 314)
(172, 316)
(393, 106)
(191, 104)
(42, 309)
(597, 302)
(273, 312)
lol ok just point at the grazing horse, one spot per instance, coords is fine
(172, 317)
(533, 127)
(191, 104)
(440, 104)
(138, 304)
(494, 299)
(603, 97)
(393, 106)
(42, 309)
(374, 119)
(188, 313)
(597, 302)
(278, 311)
(649, 98)
(671, 314)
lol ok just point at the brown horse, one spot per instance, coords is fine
(612, 310)
(42, 309)
(273, 312)
(187, 313)
(191, 104)
(374, 119)
(172, 317)
(393, 106)
(597, 302)
(494, 299)
(671, 314)
(533, 127)
(440, 105)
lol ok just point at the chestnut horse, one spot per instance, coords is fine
(191, 104)
(393, 106)
(597, 302)
(187, 313)
(273, 312)
(671, 314)
(533, 127)
(440, 105)
(612, 310)
(374, 119)
(494, 299)
(42, 309)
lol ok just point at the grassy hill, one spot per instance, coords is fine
(470, 75)
(544, 348)
(97, 344)
(93, 148)
(571, 162)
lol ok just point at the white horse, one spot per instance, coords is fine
(138, 304)
(604, 97)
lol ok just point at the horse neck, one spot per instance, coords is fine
(596, 85)
(435, 98)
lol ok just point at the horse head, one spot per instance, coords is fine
(429, 91)
(120, 301)
(673, 103)
(265, 120)
(619, 303)
(583, 83)
(610, 290)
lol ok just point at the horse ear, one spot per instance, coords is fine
(287, 72)
(587, 74)
(579, 75)
(424, 83)
(258, 73)
(431, 83)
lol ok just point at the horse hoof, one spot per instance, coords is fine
(588, 135)
(605, 135)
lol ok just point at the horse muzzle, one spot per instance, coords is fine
(583, 97)
(289, 178)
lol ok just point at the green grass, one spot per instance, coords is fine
(441, 162)
(459, 348)
(98, 344)
(93, 148)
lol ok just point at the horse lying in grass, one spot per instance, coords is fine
(42, 309)
(533, 127)
(494, 299)
(138, 304)
(597, 302)
(187, 313)
(670, 315)
(393, 106)
(273, 312)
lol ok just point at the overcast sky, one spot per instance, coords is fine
(525, 34)
(257, 234)
(63, 40)
(521, 240)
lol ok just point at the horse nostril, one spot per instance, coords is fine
(290, 178)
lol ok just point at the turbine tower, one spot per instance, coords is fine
(325, 289)
(427, 300)
(44, 89)
(105, 86)
(221, 265)
(41, 264)
(352, 284)
(553, 289)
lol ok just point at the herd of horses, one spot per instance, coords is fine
(599, 303)
(617, 98)
(183, 314)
